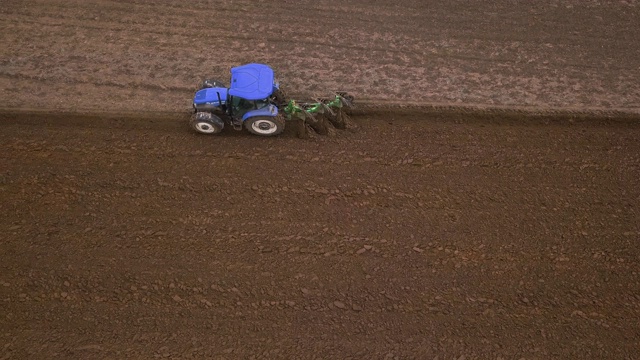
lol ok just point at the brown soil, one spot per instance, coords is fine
(149, 55)
(423, 232)
(415, 236)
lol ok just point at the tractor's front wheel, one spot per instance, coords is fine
(265, 125)
(206, 123)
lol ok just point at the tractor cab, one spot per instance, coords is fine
(252, 82)
(251, 88)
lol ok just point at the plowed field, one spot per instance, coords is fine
(415, 236)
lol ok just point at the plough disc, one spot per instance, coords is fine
(321, 115)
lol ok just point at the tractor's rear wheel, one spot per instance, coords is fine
(265, 125)
(206, 123)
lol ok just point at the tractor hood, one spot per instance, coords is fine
(209, 96)
(252, 81)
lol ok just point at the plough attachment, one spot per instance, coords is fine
(320, 115)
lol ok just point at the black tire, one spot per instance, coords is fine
(211, 83)
(206, 123)
(265, 125)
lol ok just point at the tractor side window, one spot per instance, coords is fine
(241, 106)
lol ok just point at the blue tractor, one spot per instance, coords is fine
(251, 101)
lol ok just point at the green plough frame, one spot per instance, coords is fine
(303, 111)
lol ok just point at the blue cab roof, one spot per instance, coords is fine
(251, 81)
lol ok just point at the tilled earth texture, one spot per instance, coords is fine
(431, 232)
(421, 236)
(149, 55)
